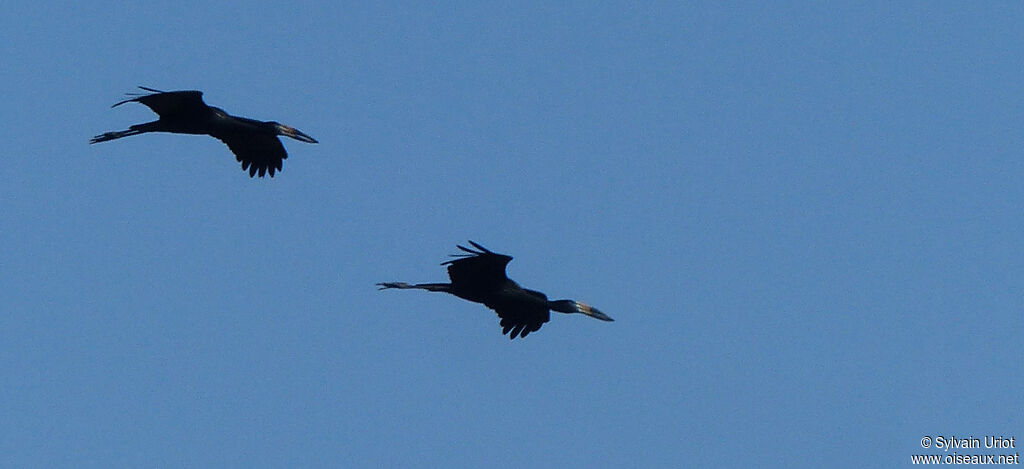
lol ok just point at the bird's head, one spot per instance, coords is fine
(571, 306)
(292, 132)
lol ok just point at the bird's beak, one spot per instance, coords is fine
(592, 312)
(296, 134)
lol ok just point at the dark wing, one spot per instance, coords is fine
(171, 104)
(519, 318)
(478, 270)
(258, 153)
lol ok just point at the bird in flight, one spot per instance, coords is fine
(479, 276)
(254, 143)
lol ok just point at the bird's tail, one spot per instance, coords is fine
(441, 287)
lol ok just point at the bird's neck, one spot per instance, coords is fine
(563, 306)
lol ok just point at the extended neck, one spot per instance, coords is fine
(563, 306)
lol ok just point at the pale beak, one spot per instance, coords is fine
(592, 312)
(296, 134)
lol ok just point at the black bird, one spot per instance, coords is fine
(254, 143)
(479, 276)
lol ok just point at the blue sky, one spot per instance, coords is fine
(805, 218)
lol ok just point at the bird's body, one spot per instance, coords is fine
(479, 276)
(254, 143)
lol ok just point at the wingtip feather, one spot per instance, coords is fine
(480, 247)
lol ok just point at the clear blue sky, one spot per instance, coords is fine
(806, 220)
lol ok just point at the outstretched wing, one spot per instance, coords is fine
(171, 104)
(519, 318)
(479, 270)
(258, 153)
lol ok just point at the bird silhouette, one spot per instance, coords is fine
(479, 276)
(254, 143)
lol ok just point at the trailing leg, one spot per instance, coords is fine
(133, 130)
(441, 287)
